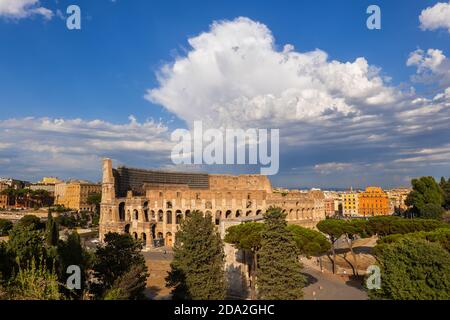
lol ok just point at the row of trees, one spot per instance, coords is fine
(414, 266)
(197, 271)
(382, 226)
(428, 199)
(34, 264)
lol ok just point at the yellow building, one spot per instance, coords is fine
(374, 202)
(74, 195)
(49, 180)
(3, 201)
(349, 202)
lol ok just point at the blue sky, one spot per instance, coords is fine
(104, 71)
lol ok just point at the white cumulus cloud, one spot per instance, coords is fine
(19, 9)
(234, 75)
(436, 17)
(432, 66)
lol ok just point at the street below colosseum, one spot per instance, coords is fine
(320, 286)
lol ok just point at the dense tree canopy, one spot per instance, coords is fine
(309, 242)
(426, 198)
(114, 259)
(445, 186)
(5, 227)
(247, 236)
(279, 273)
(197, 270)
(412, 269)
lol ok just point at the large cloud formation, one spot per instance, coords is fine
(432, 66)
(341, 122)
(19, 9)
(332, 115)
(234, 74)
(436, 17)
(33, 147)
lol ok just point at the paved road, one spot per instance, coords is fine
(322, 286)
(325, 286)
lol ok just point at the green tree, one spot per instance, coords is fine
(129, 286)
(51, 231)
(36, 282)
(116, 257)
(6, 262)
(197, 270)
(279, 274)
(445, 186)
(309, 242)
(94, 199)
(334, 228)
(247, 236)
(30, 220)
(440, 236)
(426, 195)
(27, 244)
(5, 227)
(413, 269)
(71, 252)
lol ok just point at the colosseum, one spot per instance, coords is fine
(150, 204)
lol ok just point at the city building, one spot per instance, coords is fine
(397, 198)
(374, 201)
(60, 192)
(150, 204)
(3, 201)
(349, 202)
(3, 186)
(50, 188)
(14, 183)
(50, 181)
(74, 194)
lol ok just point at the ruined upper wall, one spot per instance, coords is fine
(239, 183)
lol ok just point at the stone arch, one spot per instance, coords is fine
(169, 217)
(238, 213)
(217, 217)
(291, 215)
(152, 214)
(135, 235)
(144, 238)
(160, 216)
(153, 231)
(258, 212)
(146, 219)
(122, 211)
(169, 240)
(228, 214)
(297, 213)
(248, 213)
(160, 235)
(135, 214)
(128, 215)
(187, 213)
(127, 228)
(178, 216)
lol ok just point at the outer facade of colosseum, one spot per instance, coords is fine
(150, 206)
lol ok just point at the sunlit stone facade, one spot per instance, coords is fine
(151, 204)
